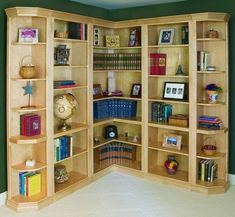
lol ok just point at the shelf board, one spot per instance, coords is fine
(205, 103)
(117, 48)
(218, 155)
(168, 101)
(117, 97)
(70, 88)
(28, 79)
(33, 199)
(119, 70)
(210, 39)
(168, 46)
(37, 108)
(215, 183)
(29, 43)
(158, 147)
(161, 171)
(121, 138)
(71, 66)
(75, 127)
(76, 152)
(135, 120)
(168, 76)
(21, 140)
(22, 168)
(167, 126)
(210, 72)
(74, 178)
(70, 40)
(212, 131)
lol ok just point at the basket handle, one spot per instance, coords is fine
(23, 58)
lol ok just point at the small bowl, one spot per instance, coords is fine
(209, 149)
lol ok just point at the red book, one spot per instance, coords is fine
(31, 125)
(157, 64)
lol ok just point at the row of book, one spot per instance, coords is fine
(77, 31)
(210, 122)
(160, 112)
(116, 153)
(202, 60)
(115, 108)
(63, 147)
(29, 183)
(207, 170)
(117, 61)
(30, 124)
(58, 84)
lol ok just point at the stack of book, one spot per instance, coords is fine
(160, 112)
(115, 108)
(63, 147)
(207, 170)
(117, 61)
(30, 124)
(116, 153)
(29, 183)
(202, 60)
(210, 122)
(58, 84)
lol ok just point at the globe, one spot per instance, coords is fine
(65, 106)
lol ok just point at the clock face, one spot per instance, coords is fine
(111, 134)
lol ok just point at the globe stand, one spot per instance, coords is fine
(64, 126)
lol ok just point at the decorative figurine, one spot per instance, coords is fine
(61, 55)
(179, 71)
(28, 90)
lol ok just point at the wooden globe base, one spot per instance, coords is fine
(64, 126)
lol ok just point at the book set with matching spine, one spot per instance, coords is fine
(30, 124)
(63, 147)
(207, 170)
(115, 108)
(160, 112)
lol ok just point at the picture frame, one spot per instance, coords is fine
(112, 41)
(166, 36)
(172, 141)
(136, 91)
(97, 91)
(28, 35)
(175, 90)
(96, 36)
(134, 39)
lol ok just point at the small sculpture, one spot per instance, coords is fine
(179, 71)
(61, 55)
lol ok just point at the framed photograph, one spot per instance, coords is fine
(166, 36)
(28, 35)
(136, 90)
(97, 91)
(96, 36)
(175, 91)
(134, 37)
(112, 41)
(172, 141)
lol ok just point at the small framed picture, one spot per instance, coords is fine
(134, 37)
(166, 36)
(136, 90)
(96, 36)
(172, 141)
(175, 91)
(28, 35)
(97, 91)
(112, 41)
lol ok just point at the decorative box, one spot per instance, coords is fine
(179, 120)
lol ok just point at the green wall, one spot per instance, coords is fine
(190, 6)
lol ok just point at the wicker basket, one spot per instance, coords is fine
(27, 70)
(213, 34)
(209, 146)
(61, 34)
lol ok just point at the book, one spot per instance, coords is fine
(33, 184)
(157, 63)
(30, 125)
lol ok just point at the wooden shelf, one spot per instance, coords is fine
(119, 70)
(22, 168)
(74, 178)
(29, 43)
(158, 147)
(215, 183)
(75, 127)
(169, 46)
(218, 155)
(169, 76)
(69, 40)
(121, 138)
(211, 131)
(136, 120)
(210, 72)
(161, 171)
(71, 66)
(21, 140)
(28, 79)
(117, 97)
(35, 198)
(36, 109)
(167, 126)
(70, 88)
(76, 152)
(168, 101)
(210, 39)
(205, 103)
(117, 48)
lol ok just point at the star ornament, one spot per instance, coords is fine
(28, 89)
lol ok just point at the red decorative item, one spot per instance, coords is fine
(171, 166)
(30, 125)
(157, 64)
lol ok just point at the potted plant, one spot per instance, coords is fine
(213, 91)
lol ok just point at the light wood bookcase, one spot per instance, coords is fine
(84, 165)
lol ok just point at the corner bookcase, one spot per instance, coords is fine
(138, 146)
